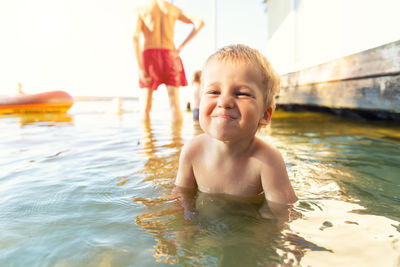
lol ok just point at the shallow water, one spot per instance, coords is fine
(93, 188)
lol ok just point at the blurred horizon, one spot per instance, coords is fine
(85, 47)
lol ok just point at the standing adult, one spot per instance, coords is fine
(158, 59)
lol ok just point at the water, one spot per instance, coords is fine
(93, 188)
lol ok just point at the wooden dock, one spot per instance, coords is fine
(367, 82)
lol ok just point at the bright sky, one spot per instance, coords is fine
(85, 47)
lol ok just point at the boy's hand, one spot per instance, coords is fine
(189, 215)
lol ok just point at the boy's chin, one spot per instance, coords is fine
(226, 137)
(228, 134)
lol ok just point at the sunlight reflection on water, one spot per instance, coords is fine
(93, 188)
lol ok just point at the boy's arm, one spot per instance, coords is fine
(185, 182)
(187, 199)
(277, 188)
(197, 25)
(185, 176)
(275, 180)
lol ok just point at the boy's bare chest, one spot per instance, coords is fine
(241, 177)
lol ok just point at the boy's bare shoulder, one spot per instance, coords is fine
(266, 151)
(195, 145)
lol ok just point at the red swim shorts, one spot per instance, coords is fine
(164, 67)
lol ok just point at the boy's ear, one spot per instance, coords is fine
(265, 120)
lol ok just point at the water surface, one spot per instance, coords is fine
(93, 188)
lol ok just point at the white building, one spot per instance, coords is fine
(304, 33)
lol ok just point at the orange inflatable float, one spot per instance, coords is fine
(49, 102)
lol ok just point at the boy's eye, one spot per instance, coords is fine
(243, 94)
(213, 92)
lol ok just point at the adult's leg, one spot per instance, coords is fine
(173, 96)
(146, 99)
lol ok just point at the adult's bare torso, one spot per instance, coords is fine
(158, 21)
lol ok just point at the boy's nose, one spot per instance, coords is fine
(225, 101)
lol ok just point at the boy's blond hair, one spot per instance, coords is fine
(242, 53)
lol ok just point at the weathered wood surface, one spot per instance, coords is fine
(367, 80)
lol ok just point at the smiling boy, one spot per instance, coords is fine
(237, 98)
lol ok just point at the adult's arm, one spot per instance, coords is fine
(197, 25)
(138, 51)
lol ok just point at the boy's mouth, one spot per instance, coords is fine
(225, 116)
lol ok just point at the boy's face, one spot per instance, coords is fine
(232, 104)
